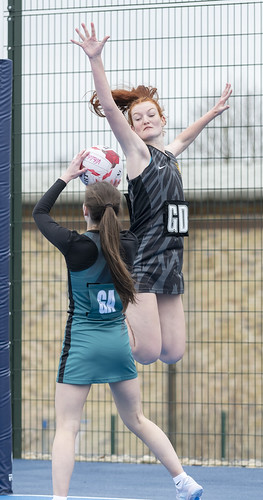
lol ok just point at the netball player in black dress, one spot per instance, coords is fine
(159, 213)
(96, 346)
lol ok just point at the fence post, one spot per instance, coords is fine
(223, 435)
(113, 434)
(15, 54)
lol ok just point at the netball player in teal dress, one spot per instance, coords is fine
(158, 209)
(96, 346)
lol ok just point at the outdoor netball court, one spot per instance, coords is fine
(118, 481)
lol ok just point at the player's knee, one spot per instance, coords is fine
(135, 422)
(171, 357)
(146, 356)
(68, 426)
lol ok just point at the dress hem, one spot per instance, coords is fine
(160, 292)
(103, 381)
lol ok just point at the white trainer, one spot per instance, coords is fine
(188, 489)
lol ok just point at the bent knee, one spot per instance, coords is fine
(135, 422)
(146, 356)
(172, 357)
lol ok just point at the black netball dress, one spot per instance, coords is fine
(159, 219)
(96, 345)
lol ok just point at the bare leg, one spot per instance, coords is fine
(171, 314)
(156, 327)
(144, 328)
(128, 401)
(69, 402)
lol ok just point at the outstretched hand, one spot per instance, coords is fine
(75, 169)
(91, 46)
(222, 105)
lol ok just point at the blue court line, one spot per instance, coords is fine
(43, 497)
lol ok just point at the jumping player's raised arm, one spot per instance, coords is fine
(185, 138)
(135, 150)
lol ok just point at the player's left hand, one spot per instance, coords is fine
(116, 182)
(222, 105)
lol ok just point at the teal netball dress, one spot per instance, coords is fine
(96, 346)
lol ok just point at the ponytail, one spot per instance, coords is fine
(103, 202)
(110, 243)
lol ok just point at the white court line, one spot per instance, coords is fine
(13, 496)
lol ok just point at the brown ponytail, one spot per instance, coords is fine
(103, 202)
(126, 99)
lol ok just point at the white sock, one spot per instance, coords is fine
(178, 479)
(55, 497)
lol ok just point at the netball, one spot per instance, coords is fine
(103, 163)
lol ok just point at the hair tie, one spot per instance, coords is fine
(108, 205)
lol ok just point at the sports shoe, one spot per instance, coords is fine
(188, 489)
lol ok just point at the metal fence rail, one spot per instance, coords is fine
(210, 403)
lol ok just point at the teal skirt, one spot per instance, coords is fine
(95, 352)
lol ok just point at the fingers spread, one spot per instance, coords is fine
(85, 30)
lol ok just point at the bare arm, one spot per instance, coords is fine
(136, 152)
(183, 140)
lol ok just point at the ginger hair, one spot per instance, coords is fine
(126, 99)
